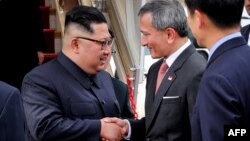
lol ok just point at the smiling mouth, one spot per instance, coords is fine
(103, 60)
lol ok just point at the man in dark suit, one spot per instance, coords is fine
(246, 29)
(168, 110)
(68, 98)
(224, 92)
(121, 91)
(245, 32)
(122, 95)
(22, 40)
(11, 114)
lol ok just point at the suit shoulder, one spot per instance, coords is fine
(7, 89)
(49, 68)
(196, 59)
(117, 82)
(6, 92)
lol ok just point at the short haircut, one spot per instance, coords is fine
(84, 16)
(223, 13)
(167, 14)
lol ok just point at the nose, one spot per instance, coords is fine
(107, 49)
(144, 42)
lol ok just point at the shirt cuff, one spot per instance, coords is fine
(128, 136)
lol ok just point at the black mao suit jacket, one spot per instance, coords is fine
(62, 103)
(168, 113)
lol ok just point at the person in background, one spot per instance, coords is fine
(168, 108)
(224, 92)
(246, 29)
(121, 92)
(12, 123)
(68, 98)
(22, 40)
(122, 95)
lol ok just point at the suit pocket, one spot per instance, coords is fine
(83, 109)
(171, 100)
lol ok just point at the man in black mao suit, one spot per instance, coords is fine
(68, 98)
(11, 114)
(168, 110)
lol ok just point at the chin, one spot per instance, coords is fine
(155, 56)
(101, 68)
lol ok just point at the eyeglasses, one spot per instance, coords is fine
(105, 43)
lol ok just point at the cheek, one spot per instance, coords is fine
(157, 48)
(91, 54)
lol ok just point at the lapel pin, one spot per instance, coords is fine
(170, 78)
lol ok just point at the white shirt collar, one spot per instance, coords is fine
(170, 60)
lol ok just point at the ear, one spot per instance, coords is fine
(171, 35)
(200, 18)
(74, 45)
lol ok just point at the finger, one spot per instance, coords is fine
(103, 139)
(111, 120)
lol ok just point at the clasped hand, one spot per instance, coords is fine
(113, 129)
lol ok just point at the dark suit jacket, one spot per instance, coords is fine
(122, 95)
(11, 114)
(62, 103)
(168, 114)
(245, 32)
(20, 39)
(224, 93)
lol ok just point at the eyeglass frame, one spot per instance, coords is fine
(108, 43)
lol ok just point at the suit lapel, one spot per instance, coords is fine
(168, 80)
(151, 86)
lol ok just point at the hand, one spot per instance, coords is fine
(122, 123)
(40, 57)
(111, 131)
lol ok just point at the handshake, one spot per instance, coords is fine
(113, 129)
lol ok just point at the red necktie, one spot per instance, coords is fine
(161, 74)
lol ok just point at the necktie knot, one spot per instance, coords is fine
(163, 68)
(161, 74)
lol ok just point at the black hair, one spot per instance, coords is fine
(223, 13)
(84, 16)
